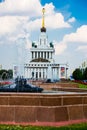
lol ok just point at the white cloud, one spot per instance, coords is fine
(59, 47)
(18, 7)
(14, 13)
(82, 48)
(56, 21)
(16, 17)
(53, 22)
(8, 24)
(72, 20)
(80, 37)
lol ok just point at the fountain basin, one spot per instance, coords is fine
(42, 107)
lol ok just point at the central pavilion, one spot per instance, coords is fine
(42, 64)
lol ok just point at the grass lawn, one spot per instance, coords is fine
(82, 86)
(82, 126)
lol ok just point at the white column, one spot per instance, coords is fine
(37, 54)
(34, 55)
(47, 73)
(40, 54)
(44, 55)
(65, 73)
(30, 73)
(38, 72)
(51, 55)
(53, 74)
(56, 75)
(59, 72)
(25, 72)
(34, 73)
(42, 73)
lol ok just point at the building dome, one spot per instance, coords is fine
(43, 29)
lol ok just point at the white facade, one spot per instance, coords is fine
(42, 71)
(42, 64)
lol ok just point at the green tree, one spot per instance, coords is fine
(6, 74)
(10, 73)
(85, 74)
(77, 74)
(3, 74)
(3, 70)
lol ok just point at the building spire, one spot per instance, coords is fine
(43, 23)
(43, 29)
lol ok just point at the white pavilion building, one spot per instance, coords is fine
(42, 64)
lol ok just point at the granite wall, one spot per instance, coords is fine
(18, 108)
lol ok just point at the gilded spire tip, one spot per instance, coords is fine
(43, 29)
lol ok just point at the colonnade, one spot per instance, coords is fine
(43, 55)
(42, 73)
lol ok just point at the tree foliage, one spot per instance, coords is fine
(85, 74)
(78, 74)
(6, 74)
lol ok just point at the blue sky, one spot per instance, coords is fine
(66, 23)
(76, 8)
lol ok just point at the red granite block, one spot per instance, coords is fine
(72, 100)
(85, 100)
(50, 101)
(6, 114)
(24, 100)
(45, 114)
(75, 112)
(85, 111)
(25, 114)
(61, 114)
(3, 100)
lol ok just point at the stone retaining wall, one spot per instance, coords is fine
(42, 107)
(48, 86)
